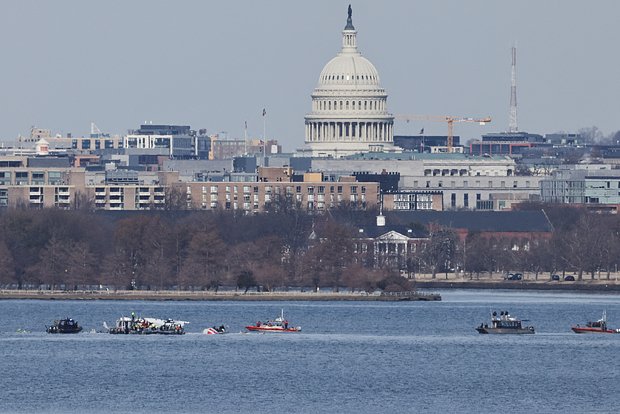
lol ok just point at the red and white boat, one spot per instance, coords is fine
(215, 330)
(279, 324)
(599, 326)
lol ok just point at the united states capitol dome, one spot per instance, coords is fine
(349, 107)
(349, 68)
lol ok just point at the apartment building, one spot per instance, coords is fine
(257, 197)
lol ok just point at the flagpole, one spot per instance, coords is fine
(264, 135)
(245, 139)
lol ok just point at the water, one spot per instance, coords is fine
(361, 357)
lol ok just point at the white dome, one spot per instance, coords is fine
(349, 107)
(349, 69)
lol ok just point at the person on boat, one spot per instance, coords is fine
(258, 324)
(285, 324)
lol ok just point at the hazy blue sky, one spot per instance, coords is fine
(216, 64)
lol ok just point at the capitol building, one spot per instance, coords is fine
(349, 106)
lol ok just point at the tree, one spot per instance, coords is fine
(333, 253)
(440, 250)
(117, 270)
(578, 247)
(7, 265)
(477, 255)
(204, 263)
(82, 201)
(245, 280)
(81, 265)
(175, 198)
(52, 266)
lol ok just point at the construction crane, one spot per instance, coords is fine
(444, 118)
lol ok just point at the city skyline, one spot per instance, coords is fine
(217, 66)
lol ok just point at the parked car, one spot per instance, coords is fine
(569, 278)
(513, 276)
(555, 277)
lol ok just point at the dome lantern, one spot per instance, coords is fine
(348, 35)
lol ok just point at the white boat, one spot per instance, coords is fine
(146, 326)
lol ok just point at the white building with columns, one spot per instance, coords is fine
(349, 107)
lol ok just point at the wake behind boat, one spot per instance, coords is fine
(599, 326)
(146, 326)
(504, 324)
(279, 324)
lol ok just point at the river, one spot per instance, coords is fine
(351, 357)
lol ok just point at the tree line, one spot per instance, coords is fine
(197, 250)
(582, 242)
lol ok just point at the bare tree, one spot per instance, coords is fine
(7, 265)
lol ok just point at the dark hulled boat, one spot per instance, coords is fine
(504, 323)
(64, 326)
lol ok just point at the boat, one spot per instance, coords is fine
(279, 324)
(215, 330)
(505, 324)
(599, 326)
(146, 326)
(64, 326)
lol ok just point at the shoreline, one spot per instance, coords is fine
(427, 292)
(577, 286)
(152, 295)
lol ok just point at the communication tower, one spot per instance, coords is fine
(512, 126)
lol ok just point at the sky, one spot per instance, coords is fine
(217, 64)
